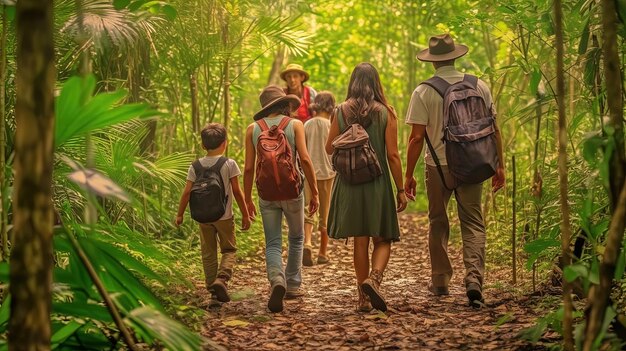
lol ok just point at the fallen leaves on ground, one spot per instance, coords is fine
(326, 318)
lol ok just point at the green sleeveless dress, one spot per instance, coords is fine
(366, 209)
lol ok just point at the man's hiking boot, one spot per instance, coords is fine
(371, 288)
(475, 295)
(294, 293)
(307, 256)
(438, 290)
(221, 290)
(277, 294)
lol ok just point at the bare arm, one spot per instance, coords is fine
(238, 194)
(184, 200)
(332, 134)
(248, 172)
(307, 165)
(414, 150)
(499, 179)
(393, 157)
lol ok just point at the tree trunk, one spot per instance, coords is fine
(568, 333)
(3, 138)
(280, 59)
(195, 110)
(226, 72)
(599, 295)
(614, 96)
(31, 255)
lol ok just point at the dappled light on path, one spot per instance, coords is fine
(325, 318)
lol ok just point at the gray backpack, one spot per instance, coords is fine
(468, 131)
(354, 158)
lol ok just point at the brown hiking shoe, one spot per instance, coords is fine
(438, 290)
(277, 294)
(370, 287)
(322, 259)
(220, 289)
(294, 293)
(475, 295)
(307, 256)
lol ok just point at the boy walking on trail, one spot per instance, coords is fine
(295, 77)
(272, 143)
(467, 125)
(316, 132)
(221, 228)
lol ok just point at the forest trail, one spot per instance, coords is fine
(325, 318)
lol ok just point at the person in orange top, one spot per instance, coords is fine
(295, 77)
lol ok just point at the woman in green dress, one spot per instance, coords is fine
(368, 210)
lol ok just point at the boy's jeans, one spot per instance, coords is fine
(272, 215)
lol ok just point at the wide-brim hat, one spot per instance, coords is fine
(272, 95)
(442, 48)
(294, 67)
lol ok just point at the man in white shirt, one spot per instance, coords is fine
(425, 115)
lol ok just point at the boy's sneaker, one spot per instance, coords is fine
(277, 294)
(220, 290)
(475, 295)
(307, 256)
(294, 293)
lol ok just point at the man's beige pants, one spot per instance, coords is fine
(468, 198)
(220, 233)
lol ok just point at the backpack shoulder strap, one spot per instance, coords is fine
(262, 124)
(284, 123)
(219, 164)
(439, 84)
(473, 80)
(197, 167)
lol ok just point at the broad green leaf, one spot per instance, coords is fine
(64, 332)
(4, 272)
(572, 272)
(620, 266)
(584, 39)
(83, 310)
(169, 11)
(172, 334)
(540, 245)
(5, 313)
(535, 78)
(120, 4)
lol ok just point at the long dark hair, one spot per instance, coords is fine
(365, 93)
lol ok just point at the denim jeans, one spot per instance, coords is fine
(272, 215)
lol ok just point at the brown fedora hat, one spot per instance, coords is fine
(294, 67)
(272, 95)
(441, 48)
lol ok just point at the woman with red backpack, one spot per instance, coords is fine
(364, 204)
(272, 143)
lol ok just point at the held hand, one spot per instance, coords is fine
(409, 187)
(245, 223)
(402, 201)
(179, 220)
(314, 204)
(251, 209)
(498, 180)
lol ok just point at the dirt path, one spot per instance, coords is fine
(325, 319)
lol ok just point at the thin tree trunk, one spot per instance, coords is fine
(568, 333)
(226, 72)
(599, 295)
(280, 58)
(614, 96)
(195, 111)
(31, 255)
(3, 137)
(513, 235)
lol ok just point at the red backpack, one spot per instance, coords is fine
(277, 177)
